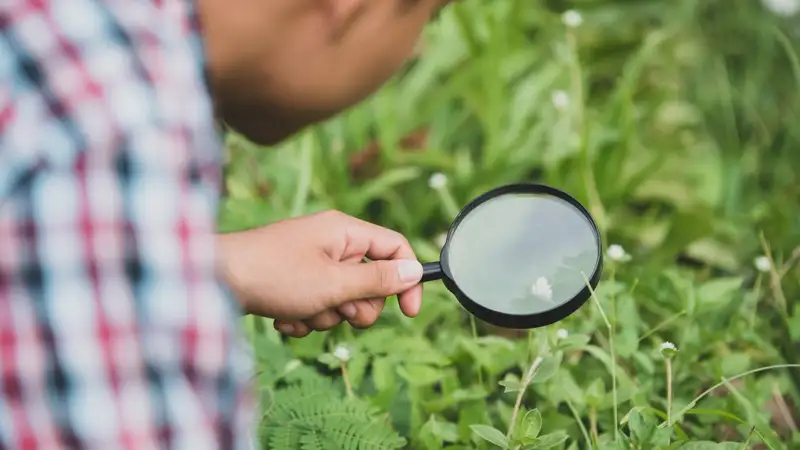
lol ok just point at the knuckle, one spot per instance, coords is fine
(332, 214)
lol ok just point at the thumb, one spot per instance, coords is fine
(375, 279)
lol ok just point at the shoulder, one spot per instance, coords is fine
(90, 78)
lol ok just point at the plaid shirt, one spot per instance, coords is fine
(115, 332)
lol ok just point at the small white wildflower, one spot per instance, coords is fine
(762, 264)
(562, 333)
(541, 288)
(784, 8)
(668, 349)
(437, 181)
(560, 100)
(341, 353)
(572, 18)
(616, 252)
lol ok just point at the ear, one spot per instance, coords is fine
(342, 14)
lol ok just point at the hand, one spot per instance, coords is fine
(309, 272)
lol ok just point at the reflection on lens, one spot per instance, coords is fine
(523, 253)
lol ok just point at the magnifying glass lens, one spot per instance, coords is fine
(523, 253)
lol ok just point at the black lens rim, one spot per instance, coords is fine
(528, 321)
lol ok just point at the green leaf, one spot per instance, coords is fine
(639, 428)
(718, 292)
(329, 360)
(550, 440)
(490, 434)
(661, 437)
(532, 424)
(383, 374)
(376, 188)
(627, 342)
(548, 368)
(419, 374)
(357, 368)
(573, 341)
(310, 346)
(436, 432)
(735, 363)
(595, 392)
(510, 383)
(440, 403)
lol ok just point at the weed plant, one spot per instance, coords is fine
(674, 121)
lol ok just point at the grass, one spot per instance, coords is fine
(675, 124)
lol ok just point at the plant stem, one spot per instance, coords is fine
(669, 389)
(783, 408)
(525, 382)
(346, 379)
(593, 423)
(611, 332)
(723, 382)
(589, 442)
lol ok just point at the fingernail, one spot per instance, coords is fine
(349, 310)
(409, 270)
(286, 328)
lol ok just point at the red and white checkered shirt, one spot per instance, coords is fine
(115, 331)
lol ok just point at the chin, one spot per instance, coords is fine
(267, 127)
(259, 127)
(261, 135)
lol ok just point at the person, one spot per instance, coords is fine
(117, 311)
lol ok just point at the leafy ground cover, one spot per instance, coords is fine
(674, 121)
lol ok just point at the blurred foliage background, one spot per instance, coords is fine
(674, 121)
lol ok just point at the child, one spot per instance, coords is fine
(115, 330)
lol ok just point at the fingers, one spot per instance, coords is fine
(374, 279)
(365, 312)
(324, 320)
(411, 301)
(293, 329)
(379, 243)
(363, 315)
(394, 269)
(375, 242)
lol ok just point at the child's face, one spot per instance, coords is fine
(311, 58)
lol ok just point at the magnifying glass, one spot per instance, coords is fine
(520, 255)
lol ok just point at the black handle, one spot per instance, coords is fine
(431, 271)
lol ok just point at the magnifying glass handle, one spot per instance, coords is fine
(431, 271)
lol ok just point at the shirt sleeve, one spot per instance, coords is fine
(115, 332)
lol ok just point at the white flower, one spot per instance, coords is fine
(562, 333)
(572, 18)
(341, 353)
(560, 100)
(541, 288)
(762, 264)
(668, 349)
(784, 8)
(616, 252)
(437, 181)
